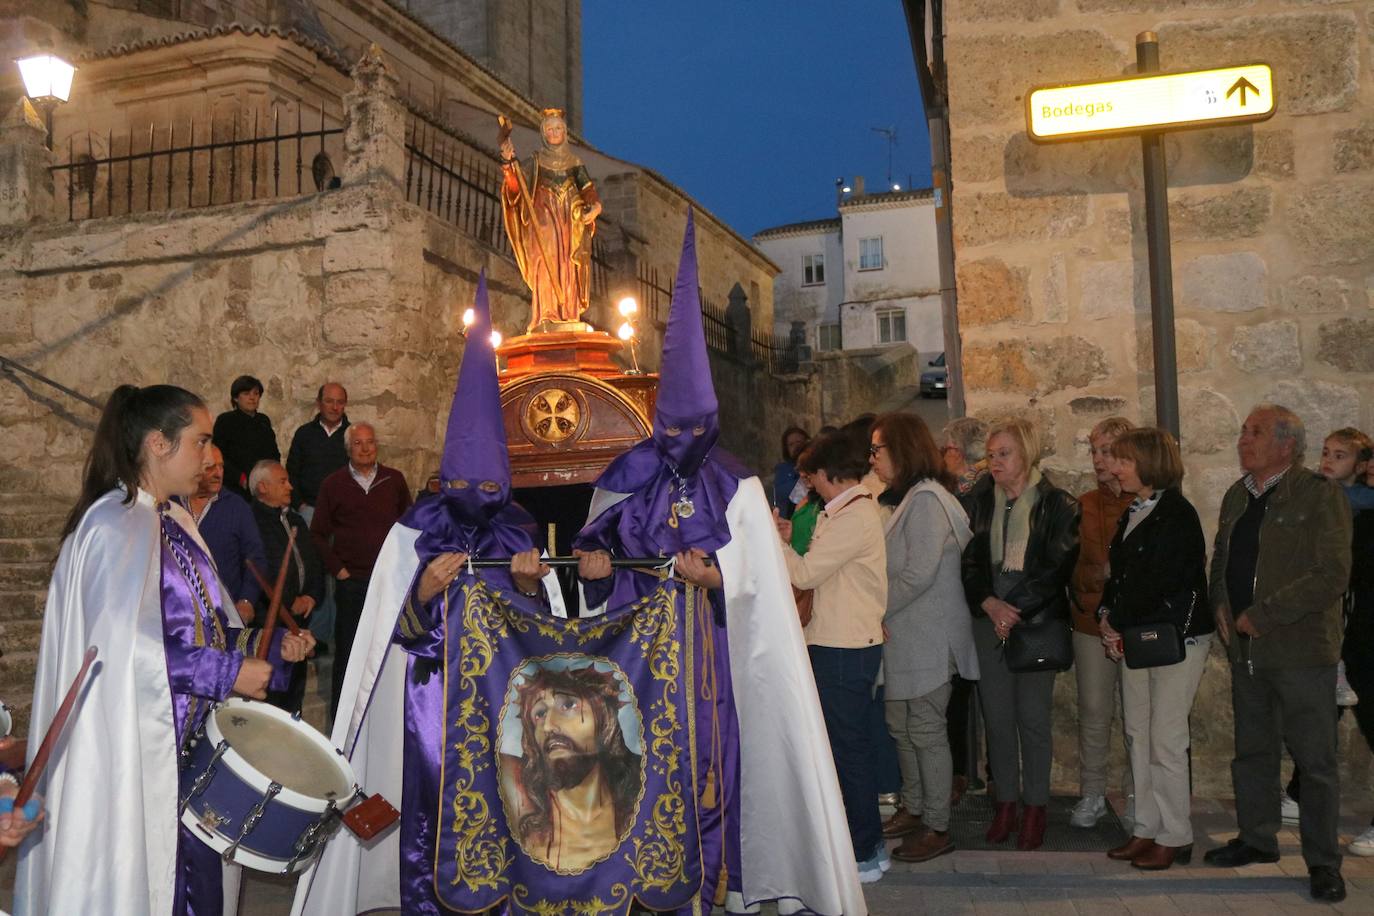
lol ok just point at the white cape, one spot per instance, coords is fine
(109, 842)
(794, 838)
(795, 844)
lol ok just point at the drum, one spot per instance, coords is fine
(263, 788)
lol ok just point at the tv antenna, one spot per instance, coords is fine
(891, 134)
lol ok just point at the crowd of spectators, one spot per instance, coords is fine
(948, 561)
(940, 577)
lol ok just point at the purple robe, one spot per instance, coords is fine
(204, 655)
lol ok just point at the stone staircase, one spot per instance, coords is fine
(29, 529)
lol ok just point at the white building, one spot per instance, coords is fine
(869, 277)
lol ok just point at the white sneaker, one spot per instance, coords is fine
(1089, 810)
(1288, 809)
(870, 870)
(1363, 845)
(1345, 694)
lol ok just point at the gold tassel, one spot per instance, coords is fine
(722, 882)
(708, 795)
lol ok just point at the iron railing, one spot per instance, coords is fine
(198, 166)
(449, 177)
(12, 368)
(775, 352)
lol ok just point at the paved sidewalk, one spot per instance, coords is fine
(1042, 884)
(1063, 883)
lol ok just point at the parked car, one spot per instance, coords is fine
(935, 381)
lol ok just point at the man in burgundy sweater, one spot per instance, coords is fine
(356, 508)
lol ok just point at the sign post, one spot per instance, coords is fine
(1160, 254)
(1150, 104)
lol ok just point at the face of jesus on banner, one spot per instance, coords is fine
(571, 795)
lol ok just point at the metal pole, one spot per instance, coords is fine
(1161, 263)
(944, 244)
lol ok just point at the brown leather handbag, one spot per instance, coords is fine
(806, 599)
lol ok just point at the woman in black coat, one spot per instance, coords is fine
(1016, 570)
(243, 435)
(1158, 578)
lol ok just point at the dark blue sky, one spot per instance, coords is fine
(755, 107)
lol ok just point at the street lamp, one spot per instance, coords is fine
(628, 308)
(47, 83)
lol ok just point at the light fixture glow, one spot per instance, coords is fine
(47, 77)
(626, 331)
(896, 187)
(846, 189)
(495, 339)
(628, 306)
(468, 318)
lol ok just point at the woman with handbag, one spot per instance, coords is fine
(1016, 571)
(1154, 614)
(929, 637)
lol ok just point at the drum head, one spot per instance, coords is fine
(286, 752)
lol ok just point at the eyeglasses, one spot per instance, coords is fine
(873, 450)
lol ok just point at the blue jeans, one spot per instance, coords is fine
(844, 682)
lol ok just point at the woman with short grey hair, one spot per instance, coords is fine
(963, 448)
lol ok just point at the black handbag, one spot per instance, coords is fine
(1155, 645)
(1042, 643)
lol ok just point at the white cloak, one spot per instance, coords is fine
(795, 842)
(108, 844)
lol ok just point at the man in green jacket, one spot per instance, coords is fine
(1279, 568)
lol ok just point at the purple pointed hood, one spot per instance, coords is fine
(473, 513)
(686, 397)
(475, 469)
(665, 469)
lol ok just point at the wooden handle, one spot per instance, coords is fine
(282, 613)
(274, 608)
(40, 759)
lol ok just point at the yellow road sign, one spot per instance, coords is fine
(1152, 101)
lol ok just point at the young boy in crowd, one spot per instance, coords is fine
(1346, 459)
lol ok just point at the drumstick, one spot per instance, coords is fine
(284, 615)
(40, 760)
(274, 608)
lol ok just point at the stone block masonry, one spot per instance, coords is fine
(1273, 252)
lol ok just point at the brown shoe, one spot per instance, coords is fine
(1158, 858)
(902, 823)
(957, 790)
(924, 846)
(1135, 846)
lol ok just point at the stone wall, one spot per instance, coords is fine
(1273, 247)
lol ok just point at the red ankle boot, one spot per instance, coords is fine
(1032, 828)
(1003, 822)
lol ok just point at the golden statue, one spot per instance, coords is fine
(550, 207)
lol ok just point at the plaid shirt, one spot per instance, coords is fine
(1259, 489)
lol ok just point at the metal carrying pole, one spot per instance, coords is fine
(1161, 262)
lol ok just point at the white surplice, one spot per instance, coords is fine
(109, 840)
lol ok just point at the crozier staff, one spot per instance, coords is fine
(135, 578)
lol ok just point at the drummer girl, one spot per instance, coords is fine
(135, 579)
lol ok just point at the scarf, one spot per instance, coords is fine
(1018, 532)
(958, 518)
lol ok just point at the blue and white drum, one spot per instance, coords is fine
(263, 788)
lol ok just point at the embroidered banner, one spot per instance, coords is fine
(568, 777)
